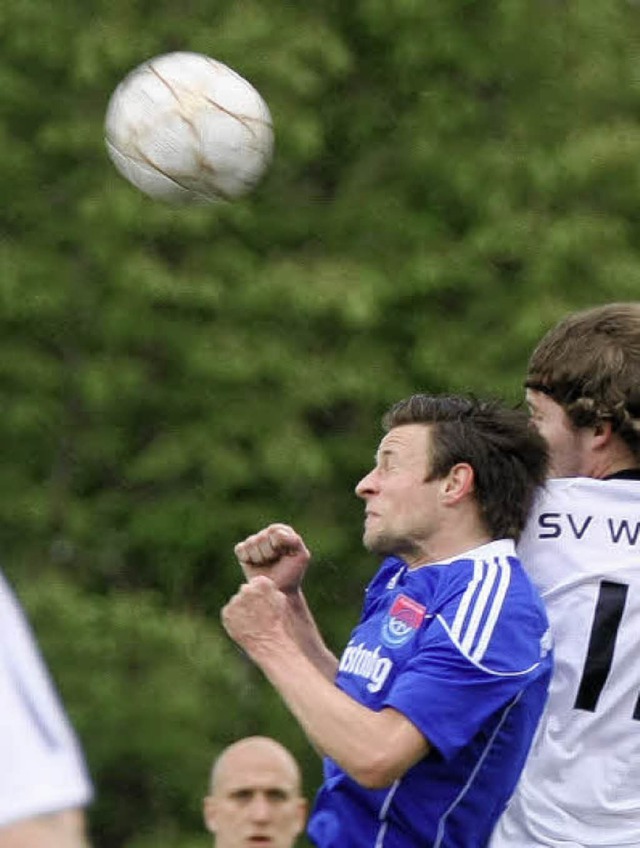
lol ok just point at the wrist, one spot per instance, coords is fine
(267, 646)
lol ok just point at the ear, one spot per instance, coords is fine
(303, 808)
(458, 484)
(209, 813)
(602, 435)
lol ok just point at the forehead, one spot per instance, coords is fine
(410, 440)
(255, 770)
(543, 403)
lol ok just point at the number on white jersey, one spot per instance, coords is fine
(602, 641)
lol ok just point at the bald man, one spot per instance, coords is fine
(255, 796)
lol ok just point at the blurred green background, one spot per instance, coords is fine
(450, 178)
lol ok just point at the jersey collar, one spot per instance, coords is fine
(625, 474)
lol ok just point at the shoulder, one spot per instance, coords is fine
(587, 490)
(386, 577)
(580, 530)
(492, 563)
(478, 575)
(493, 613)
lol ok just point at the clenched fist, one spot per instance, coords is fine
(277, 552)
(255, 617)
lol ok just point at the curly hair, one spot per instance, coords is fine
(589, 363)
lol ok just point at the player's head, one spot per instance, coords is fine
(255, 796)
(446, 454)
(583, 389)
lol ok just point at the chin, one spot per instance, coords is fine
(379, 545)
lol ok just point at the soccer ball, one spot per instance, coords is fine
(185, 128)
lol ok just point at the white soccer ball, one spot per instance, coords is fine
(185, 128)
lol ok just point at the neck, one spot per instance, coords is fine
(611, 463)
(447, 546)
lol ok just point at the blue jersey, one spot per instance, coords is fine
(461, 648)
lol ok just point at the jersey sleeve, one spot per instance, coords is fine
(477, 652)
(43, 769)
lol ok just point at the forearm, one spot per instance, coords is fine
(308, 637)
(65, 829)
(373, 747)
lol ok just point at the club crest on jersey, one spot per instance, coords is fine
(402, 621)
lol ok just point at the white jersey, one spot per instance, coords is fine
(581, 784)
(41, 766)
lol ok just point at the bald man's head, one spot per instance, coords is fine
(255, 796)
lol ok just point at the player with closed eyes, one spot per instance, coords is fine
(426, 718)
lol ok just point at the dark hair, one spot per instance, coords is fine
(589, 363)
(509, 458)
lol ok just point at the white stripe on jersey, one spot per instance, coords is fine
(494, 612)
(478, 601)
(382, 815)
(442, 824)
(463, 609)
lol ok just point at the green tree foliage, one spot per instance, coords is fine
(450, 177)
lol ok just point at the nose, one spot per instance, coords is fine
(260, 807)
(367, 485)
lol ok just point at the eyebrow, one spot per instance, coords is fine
(382, 454)
(385, 451)
(539, 387)
(283, 791)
